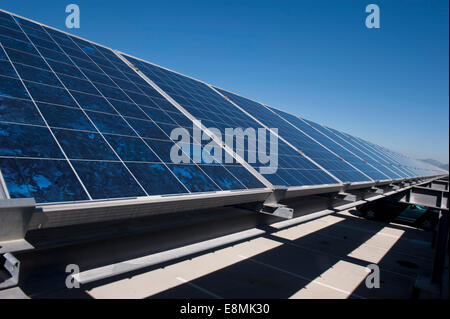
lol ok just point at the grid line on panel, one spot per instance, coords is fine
(197, 117)
(145, 192)
(143, 139)
(241, 162)
(343, 147)
(90, 160)
(379, 158)
(368, 156)
(107, 142)
(48, 127)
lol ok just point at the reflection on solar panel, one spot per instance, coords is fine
(79, 121)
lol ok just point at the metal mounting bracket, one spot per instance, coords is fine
(15, 216)
(277, 210)
(12, 266)
(346, 197)
(376, 190)
(394, 187)
(273, 207)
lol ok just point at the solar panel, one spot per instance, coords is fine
(79, 122)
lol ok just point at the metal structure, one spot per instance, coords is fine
(87, 134)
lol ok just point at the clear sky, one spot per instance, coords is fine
(312, 58)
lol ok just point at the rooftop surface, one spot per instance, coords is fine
(321, 258)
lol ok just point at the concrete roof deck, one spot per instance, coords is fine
(321, 258)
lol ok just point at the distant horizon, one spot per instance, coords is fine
(404, 63)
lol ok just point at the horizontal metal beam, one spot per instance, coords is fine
(90, 212)
(11, 265)
(65, 214)
(347, 197)
(427, 197)
(15, 216)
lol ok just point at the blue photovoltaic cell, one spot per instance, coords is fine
(312, 149)
(45, 180)
(80, 103)
(65, 117)
(209, 107)
(132, 148)
(194, 178)
(19, 111)
(156, 178)
(107, 179)
(27, 141)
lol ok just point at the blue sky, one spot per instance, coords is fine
(312, 58)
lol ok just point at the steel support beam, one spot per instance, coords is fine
(441, 248)
(15, 216)
(12, 266)
(426, 197)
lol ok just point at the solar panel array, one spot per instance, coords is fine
(78, 122)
